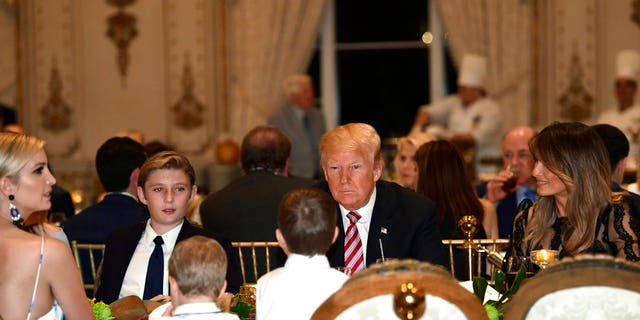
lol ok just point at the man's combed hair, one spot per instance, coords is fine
(116, 159)
(352, 137)
(307, 220)
(166, 160)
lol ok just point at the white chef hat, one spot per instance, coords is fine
(473, 70)
(628, 64)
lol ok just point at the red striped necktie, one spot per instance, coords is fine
(353, 254)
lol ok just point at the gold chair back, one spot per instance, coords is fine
(490, 244)
(259, 254)
(368, 293)
(586, 286)
(91, 250)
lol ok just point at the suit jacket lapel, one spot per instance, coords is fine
(380, 217)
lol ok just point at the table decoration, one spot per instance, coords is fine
(101, 310)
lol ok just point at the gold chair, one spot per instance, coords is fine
(490, 245)
(584, 287)
(93, 260)
(261, 256)
(405, 289)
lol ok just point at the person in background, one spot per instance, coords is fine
(197, 270)
(118, 162)
(617, 147)
(468, 117)
(303, 124)
(442, 178)
(626, 113)
(404, 163)
(518, 164)
(576, 211)
(135, 256)
(155, 146)
(306, 229)
(247, 208)
(39, 276)
(376, 219)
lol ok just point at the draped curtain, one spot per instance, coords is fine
(265, 42)
(500, 30)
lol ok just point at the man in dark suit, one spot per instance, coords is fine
(166, 184)
(516, 154)
(118, 163)
(618, 151)
(247, 208)
(390, 221)
(304, 124)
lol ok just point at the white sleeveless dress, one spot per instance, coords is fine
(55, 313)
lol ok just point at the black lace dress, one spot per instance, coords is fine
(617, 232)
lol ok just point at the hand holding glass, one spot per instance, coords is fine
(511, 183)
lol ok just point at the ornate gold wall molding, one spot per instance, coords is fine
(122, 30)
(190, 72)
(56, 113)
(188, 111)
(576, 101)
(49, 65)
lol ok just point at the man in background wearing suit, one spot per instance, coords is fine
(118, 163)
(515, 152)
(247, 208)
(136, 257)
(303, 124)
(376, 218)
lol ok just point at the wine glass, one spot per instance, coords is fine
(510, 185)
(544, 257)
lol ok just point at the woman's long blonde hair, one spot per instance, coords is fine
(575, 153)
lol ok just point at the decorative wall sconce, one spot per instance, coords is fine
(576, 101)
(188, 110)
(56, 113)
(122, 30)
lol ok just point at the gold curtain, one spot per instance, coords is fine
(265, 42)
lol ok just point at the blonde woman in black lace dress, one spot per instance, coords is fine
(576, 211)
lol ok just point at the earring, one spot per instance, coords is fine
(15, 213)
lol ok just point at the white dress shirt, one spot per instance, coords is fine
(136, 275)
(194, 311)
(363, 224)
(296, 290)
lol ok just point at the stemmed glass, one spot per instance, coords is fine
(544, 257)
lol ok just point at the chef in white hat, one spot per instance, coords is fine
(469, 115)
(626, 115)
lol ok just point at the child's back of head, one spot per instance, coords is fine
(307, 221)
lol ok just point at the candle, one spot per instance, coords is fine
(545, 256)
